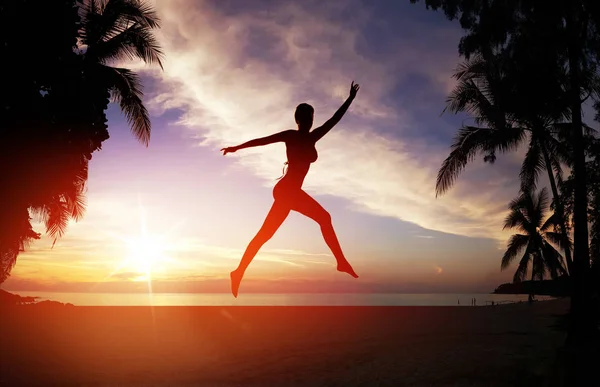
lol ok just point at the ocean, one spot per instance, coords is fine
(249, 299)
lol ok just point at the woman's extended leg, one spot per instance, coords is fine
(277, 214)
(306, 205)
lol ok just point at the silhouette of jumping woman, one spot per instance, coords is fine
(287, 193)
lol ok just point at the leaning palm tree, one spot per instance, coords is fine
(536, 236)
(116, 30)
(503, 122)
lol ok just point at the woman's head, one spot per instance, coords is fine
(304, 116)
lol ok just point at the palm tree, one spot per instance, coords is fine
(486, 90)
(110, 30)
(113, 30)
(528, 216)
(569, 29)
(40, 146)
(53, 137)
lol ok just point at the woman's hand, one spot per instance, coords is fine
(354, 89)
(229, 149)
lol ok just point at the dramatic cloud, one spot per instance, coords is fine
(236, 70)
(239, 76)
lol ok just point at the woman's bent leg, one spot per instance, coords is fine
(277, 214)
(306, 205)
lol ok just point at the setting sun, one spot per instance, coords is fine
(144, 254)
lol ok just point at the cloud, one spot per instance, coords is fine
(125, 276)
(237, 76)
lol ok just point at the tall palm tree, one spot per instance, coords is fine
(486, 90)
(528, 216)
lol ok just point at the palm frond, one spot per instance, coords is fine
(8, 259)
(553, 260)
(564, 130)
(134, 11)
(532, 165)
(506, 140)
(540, 207)
(476, 100)
(558, 239)
(15, 238)
(75, 199)
(470, 141)
(591, 85)
(516, 219)
(538, 266)
(137, 41)
(127, 91)
(91, 31)
(58, 217)
(470, 69)
(551, 223)
(516, 243)
(557, 167)
(109, 21)
(519, 215)
(521, 271)
(467, 143)
(461, 99)
(482, 92)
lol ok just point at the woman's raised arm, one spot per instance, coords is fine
(322, 130)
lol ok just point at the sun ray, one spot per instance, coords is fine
(145, 251)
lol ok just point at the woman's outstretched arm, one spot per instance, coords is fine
(277, 137)
(326, 127)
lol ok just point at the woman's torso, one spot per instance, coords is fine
(301, 152)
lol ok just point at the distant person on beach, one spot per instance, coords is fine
(288, 193)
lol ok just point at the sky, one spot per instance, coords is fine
(181, 214)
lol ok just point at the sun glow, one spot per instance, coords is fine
(144, 254)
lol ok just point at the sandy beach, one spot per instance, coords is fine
(278, 346)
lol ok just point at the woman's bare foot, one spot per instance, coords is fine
(346, 268)
(236, 279)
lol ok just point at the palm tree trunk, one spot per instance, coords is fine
(579, 306)
(560, 210)
(531, 293)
